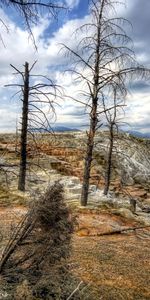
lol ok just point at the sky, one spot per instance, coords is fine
(16, 47)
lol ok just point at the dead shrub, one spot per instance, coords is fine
(39, 246)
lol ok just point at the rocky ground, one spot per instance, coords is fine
(108, 264)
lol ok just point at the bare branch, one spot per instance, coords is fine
(75, 290)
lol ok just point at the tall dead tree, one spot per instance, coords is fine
(103, 58)
(109, 158)
(38, 109)
(23, 150)
(112, 125)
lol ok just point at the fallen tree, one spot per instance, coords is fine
(41, 241)
(121, 230)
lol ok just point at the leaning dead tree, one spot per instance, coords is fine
(103, 61)
(38, 94)
(40, 243)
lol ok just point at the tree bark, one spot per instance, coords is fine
(109, 161)
(119, 231)
(23, 154)
(93, 116)
(89, 156)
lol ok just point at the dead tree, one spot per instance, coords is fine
(102, 60)
(113, 117)
(109, 159)
(34, 118)
(23, 150)
(41, 238)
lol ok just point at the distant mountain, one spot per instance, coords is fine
(63, 129)
(139, 134)
(55, 129)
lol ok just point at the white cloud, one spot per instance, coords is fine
(72, 3)
(8, 119)
(138, 111)
(19, 48)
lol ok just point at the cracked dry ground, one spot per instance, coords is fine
(113, 267)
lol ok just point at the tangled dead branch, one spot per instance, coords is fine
(41, 239)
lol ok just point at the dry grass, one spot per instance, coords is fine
(39, 245)
(10, 197)
(112, 267)
(117, 267)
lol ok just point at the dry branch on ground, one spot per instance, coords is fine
(40, 241)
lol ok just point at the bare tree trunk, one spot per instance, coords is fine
(32, 113)
(93, 114)
(109, 161)
(107, 63)
(89, 156)
(16, 139)
(23, 154)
